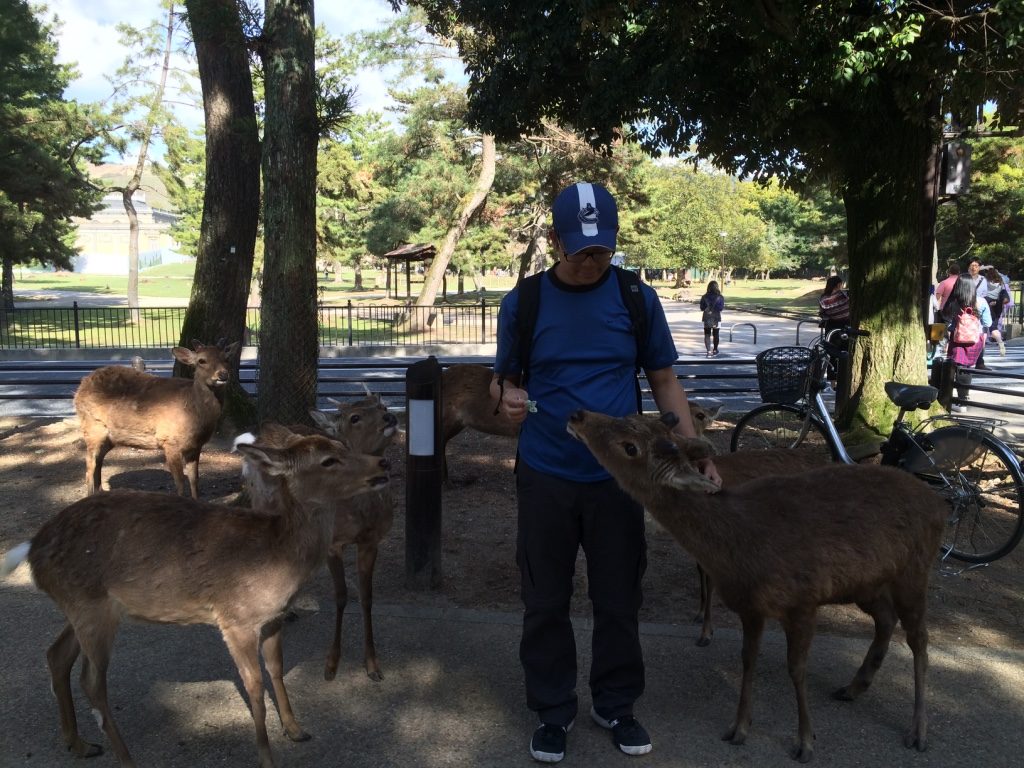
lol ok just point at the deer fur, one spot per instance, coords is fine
(466, 402)
(779, 547)
(170, 559)
(118, 405)
(368, 427)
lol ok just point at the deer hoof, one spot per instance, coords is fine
(802, 753)
(843, 694)
(297, 735)
(376, 675)
(703, 642)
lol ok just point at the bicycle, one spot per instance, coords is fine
(978, 474)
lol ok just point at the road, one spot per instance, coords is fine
(743, 335)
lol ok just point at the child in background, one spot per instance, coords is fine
(712, 303)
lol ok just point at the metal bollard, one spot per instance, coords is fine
(423, 461)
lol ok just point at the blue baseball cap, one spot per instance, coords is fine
(585, 215)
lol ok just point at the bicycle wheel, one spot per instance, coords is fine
(982, 481)
(778, 425)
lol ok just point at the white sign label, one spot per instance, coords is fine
(421, 428)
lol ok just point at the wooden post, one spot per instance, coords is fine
(423, 475)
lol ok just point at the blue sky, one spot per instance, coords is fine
(89, 39)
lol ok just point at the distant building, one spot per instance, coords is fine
(102, 240)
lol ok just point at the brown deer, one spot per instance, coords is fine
(779, 547)
(170, 559)
(118, 405)
(466, 402)
(368, 427)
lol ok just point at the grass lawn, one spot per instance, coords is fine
(175, 281)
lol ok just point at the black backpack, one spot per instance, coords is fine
(529, 306)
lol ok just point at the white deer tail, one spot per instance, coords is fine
(14, 558)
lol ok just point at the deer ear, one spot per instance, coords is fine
(184, 355)
(322, 420)
(231, 349)
(196, 344)
(272, 433)
(273, 461)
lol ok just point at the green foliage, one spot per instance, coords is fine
(988, 221)
(183, 172)
(45, 142)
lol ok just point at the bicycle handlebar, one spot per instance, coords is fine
(844, 334)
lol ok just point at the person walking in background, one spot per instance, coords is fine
(964, 348)
(974, 271)
(582, 354)
(711, 304)
(945, 287)
(834, 305)
(998, 298)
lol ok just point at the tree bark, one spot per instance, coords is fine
(7, 283)
(435, 275)
(227, 238)
(288, 338)
(886, 201)
(140, 165)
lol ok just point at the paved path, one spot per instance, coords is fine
(452, 696)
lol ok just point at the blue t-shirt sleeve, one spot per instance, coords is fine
(660, 350)
(506, 359)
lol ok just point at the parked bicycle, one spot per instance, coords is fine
(957, 455)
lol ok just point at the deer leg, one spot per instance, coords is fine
(753, 627)
(243, 644)
(175, 465)
(60, 658)
(96, 639)
(367, 559)
(337, 568)
(192, 473)
(94, 455)
(799, 628)
(273, 655)
(884, 614)
(912, 616)
(704, 616)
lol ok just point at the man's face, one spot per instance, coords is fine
(974, 267)
(583, 267)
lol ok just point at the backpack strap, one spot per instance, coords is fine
(633, 298)
(526, 319)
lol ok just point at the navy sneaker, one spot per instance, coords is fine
(548, 742)
(627, 733)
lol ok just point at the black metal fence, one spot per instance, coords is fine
(78, 327)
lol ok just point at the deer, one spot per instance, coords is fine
(466, 402)
(122, 406)
(364, 521)
(175, 560)
(776, 548)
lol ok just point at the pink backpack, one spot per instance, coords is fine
(968, 328)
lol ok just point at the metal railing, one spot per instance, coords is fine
(78, 327)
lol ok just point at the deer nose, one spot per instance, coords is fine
(577, 415)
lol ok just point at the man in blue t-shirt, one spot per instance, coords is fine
(583, 355)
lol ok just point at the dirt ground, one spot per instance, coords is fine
(42, 470)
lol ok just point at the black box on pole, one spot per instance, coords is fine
(423, 475)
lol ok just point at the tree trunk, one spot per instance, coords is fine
(7, 284)
(432, 280)
(886, 201)
(140, 165)
(227, 237)
(288, 339)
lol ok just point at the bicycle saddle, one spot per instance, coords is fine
(911, 396)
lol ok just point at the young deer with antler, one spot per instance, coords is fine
(169, 559)
(778, 548)
(118, 405)
(368, 427)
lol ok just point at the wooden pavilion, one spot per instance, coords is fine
(407, 254)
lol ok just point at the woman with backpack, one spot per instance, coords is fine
(712, 303)
(968, 319)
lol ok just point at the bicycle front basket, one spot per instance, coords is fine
(782, 373)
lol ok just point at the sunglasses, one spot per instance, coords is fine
(597, 256)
